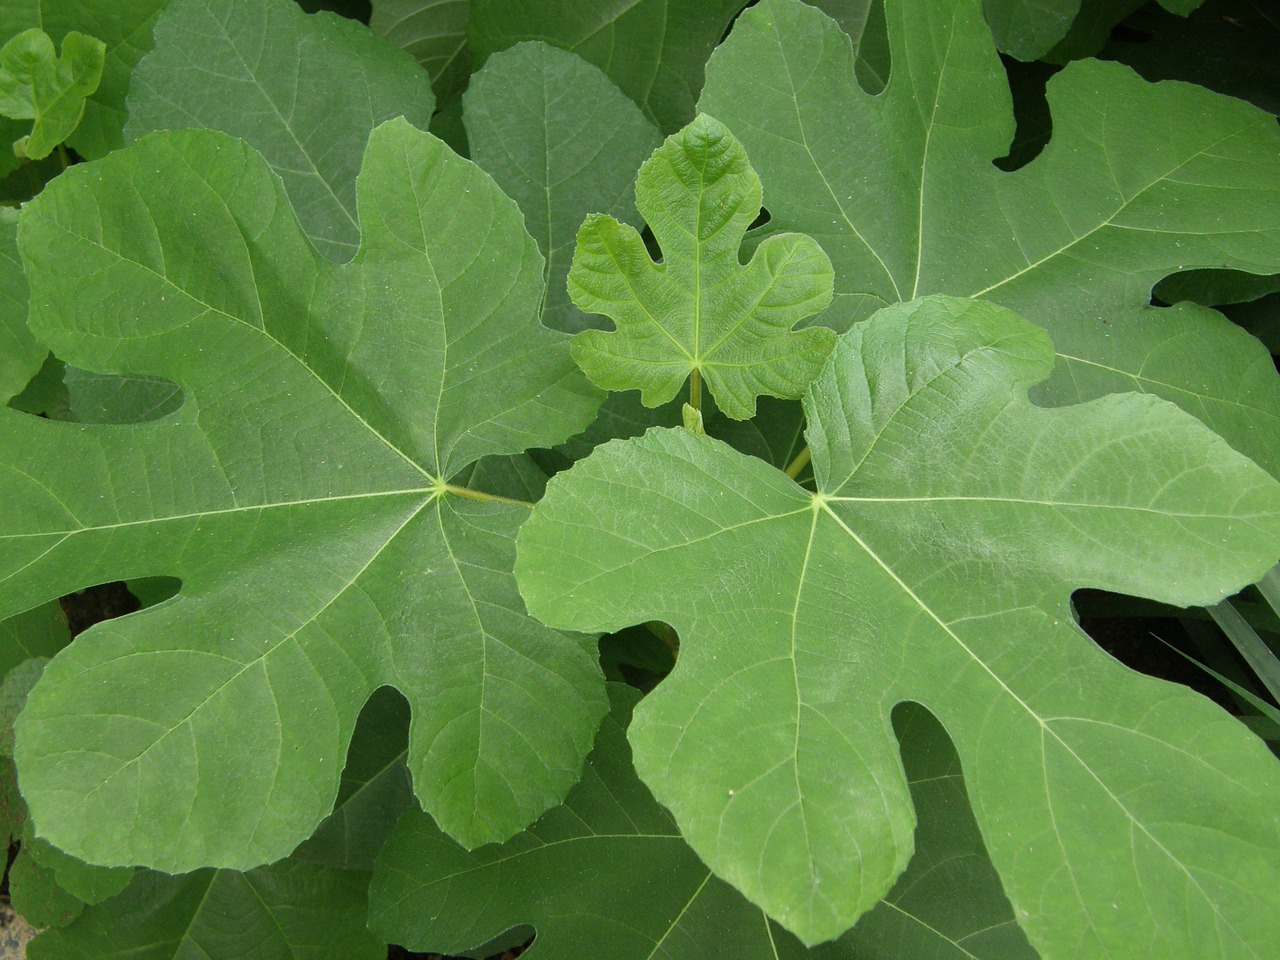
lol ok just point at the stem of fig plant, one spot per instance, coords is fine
(62, 157)
(489, 497)
(799, 463)
(695, 389)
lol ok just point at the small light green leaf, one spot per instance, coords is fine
(654, 50)
(123, 25)
(286, 910)
(321, 549)
(303, 90)
(562, 141)
(38, 84)
(935, 564)
(700, 311)
(433, 32)
(1139, 180)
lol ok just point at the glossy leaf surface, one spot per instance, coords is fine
(306, 508)
(935, 563)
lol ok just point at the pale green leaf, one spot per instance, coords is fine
(38, 83)
(1138, 181)
(701, 311)
(433, 32)
(301, 496)
(563, 142)
(654, 50)
(935, 564)
(303, 90)
(287, 910)
(123, 25)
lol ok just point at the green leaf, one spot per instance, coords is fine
(13, 697)
(124, 26)
(308, 514)
(289, 909)
(40, 632)
(375, 789)
(1030, 29)
(37, 896)
(36, 83)
(700, 311)
(935, 564)
(654, 50)
(562, 141)
(434, 33)
(84, 882)
(1228, 379)
(1138, 181)
(608, 874)
(109, 398)
(20, 354)
(304, 91)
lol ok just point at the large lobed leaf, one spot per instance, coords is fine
(628, 887)
(303, 90)
(300, 493)
(952, 520)
(700, 313)
(1138, 181)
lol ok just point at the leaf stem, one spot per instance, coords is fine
(695, 389)
(62, 156)
(799, 463)
(489, 497)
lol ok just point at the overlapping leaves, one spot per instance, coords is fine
(629, 887)
(934, 563)
(1138, 181)
(301, 494)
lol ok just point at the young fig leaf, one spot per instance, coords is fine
(700, 313)
(38, 84)
(934, 563)
(309, 507)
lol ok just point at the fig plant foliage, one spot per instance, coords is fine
(659, 548)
